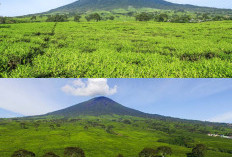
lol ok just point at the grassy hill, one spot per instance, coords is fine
(107, 134)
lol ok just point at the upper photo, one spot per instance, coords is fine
(116, 39)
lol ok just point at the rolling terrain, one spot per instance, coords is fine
(104, 128)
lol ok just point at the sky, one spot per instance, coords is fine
(197, 99)
(23, 7)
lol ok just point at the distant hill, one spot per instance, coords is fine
(100, 106)
(90, 5)
(104, 106)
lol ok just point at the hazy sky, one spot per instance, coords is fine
(199, 99)
(22, 7)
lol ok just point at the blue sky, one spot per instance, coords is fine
(198, 99)
(23, 7)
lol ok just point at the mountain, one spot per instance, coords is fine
(101, 106)
(104, 106)
(90, 5)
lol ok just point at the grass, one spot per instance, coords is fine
(127, 139)
(116, 49)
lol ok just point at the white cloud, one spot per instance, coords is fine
(226, 117)
(92, 87)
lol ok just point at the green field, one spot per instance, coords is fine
(125, 138)
(116, 49)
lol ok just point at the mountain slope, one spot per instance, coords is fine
(86, 5)
(99, 106)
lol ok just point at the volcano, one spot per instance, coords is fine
(91, 5)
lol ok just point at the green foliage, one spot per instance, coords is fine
(129, 139)
(147, 152)
(144, 17)
(164, 151)
(33, 17)
(116, 49)
(74, 152)
(180, 141)
(50, 154)
(94, 16)
(126, 121)
(77, 18)
(2, 20)
(162, 18)
(57, 18)
(199, 150)
(23, 153)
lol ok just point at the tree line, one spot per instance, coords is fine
(162, 151)
(175, 17)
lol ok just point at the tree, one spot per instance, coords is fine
(77, 18)
(218, 18)
(51, 127)
(95, 16)
(86, 128)
(162, 18)
(164, 150)
(199, 151)
(111, 18)
(23, 153)
(23, 125)
(74, 152)
(33, 18)
(50, 154)
(36, 125)
(119, 155)
(147, 152)
(57, 18)
(2, 20)
(144, 17)
(126, 121)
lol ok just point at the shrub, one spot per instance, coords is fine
(147, 152)
(50, 154)
(23, 153)
(94, 16)
(77, 18)
(199, 150)
(144, 17)
(74, 152)
(57, 18)
(164, 150)
(126, 121)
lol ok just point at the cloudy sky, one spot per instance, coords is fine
(199, 99)
(23, 7)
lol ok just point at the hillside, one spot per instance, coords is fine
(90, 5)
(99, 106)
(105, 128)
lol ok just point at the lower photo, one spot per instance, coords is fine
(115, 117)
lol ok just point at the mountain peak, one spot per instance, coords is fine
(90, 5)
(100, 98)
(98, 106)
